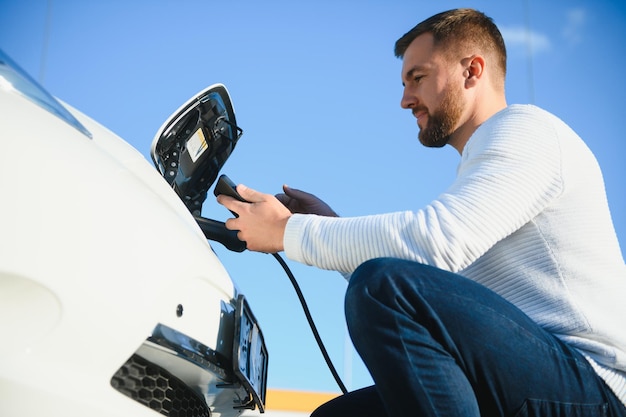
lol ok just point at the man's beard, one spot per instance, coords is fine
(442, 122)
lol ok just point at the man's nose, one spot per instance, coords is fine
(408, 100)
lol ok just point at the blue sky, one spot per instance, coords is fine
(316, 89)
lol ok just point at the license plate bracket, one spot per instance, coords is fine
(250, 358)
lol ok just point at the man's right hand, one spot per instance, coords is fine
(298, 201)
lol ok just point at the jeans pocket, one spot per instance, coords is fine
(544, 408)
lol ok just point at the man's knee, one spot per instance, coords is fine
(359, 292)
(377, 281)
(377, 274)
(368, 274)
(371, 270)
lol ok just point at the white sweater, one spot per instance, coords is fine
(527, 216)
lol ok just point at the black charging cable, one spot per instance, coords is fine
(217, 231)
(309, 318)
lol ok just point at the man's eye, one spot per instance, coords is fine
(417, 78)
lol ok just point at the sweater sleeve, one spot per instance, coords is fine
(510, 171)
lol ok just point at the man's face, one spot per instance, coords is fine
(430, 93)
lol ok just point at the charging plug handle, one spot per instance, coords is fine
(217, 231)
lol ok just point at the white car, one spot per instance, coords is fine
(112, 301)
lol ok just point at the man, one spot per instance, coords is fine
(503, 297)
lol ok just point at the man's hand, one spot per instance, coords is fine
(301, 202)
(261, 222)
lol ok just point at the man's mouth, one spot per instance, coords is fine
(420, 115)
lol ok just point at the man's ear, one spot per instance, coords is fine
(474, 71)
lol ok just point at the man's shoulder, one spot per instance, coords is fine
(524, 111)
(522, 120)
(518, 128)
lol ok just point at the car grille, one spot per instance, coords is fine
(154, 387)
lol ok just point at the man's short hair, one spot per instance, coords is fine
(458, 30)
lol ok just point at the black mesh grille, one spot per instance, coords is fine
(156, 388)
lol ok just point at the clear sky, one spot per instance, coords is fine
(316, 89)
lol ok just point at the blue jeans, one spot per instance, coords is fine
(439, 344)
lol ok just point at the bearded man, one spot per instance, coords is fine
(505, 295)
